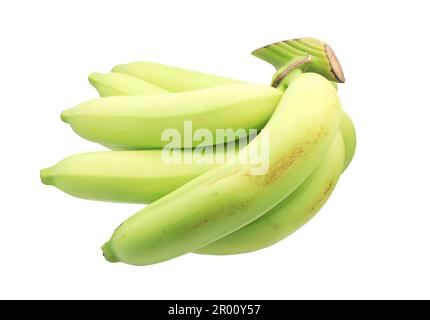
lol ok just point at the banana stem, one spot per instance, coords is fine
(307, 54)
(284, 78)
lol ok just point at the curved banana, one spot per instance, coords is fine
(139, 121)
(134, 176)
(172, 78)
(228, 197)
(118, 84)
(121, 176)
(291, 213)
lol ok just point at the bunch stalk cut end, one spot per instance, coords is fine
(307, 54)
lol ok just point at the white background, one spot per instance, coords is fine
(372, 238)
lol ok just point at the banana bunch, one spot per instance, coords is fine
(211, 207)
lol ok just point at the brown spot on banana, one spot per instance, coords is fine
(324, 195)
(199, 224)
(278, 168)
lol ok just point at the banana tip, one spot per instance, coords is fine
(116, 68)
(92, 77)
(65, 116)
(46, 176)
(108, 253)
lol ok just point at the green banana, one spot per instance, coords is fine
(118, 84)
(133, 176)
(139, 121)
(291, 213)
(210, 206)
(121, 176)
(172, 78)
